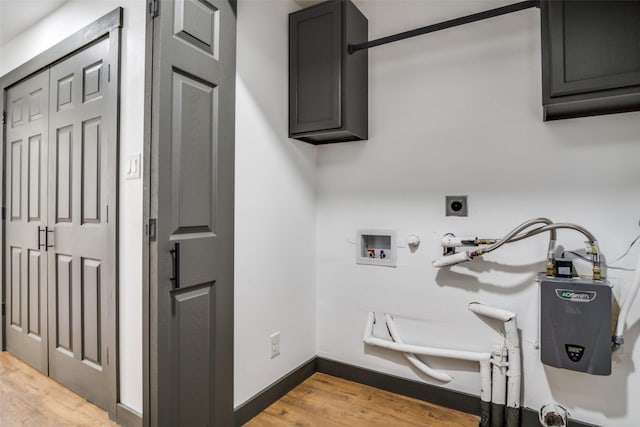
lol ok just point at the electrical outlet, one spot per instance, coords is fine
(456, 206)
(275, 344)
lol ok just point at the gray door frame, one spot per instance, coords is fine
(109, 26)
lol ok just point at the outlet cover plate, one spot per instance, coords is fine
(456, 206)
(274, 340)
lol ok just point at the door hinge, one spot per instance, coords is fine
(4, 306)
(154, 6)
(151, 229)
(109, 73)
(4, 213)
(4, 118)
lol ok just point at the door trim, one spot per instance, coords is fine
(146, 209)
(109, 26)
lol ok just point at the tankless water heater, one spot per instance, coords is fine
(575, 324)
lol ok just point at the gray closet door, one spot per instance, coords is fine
(192, 197)
(26, 199)
(81, 273)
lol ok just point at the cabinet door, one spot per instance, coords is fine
(315, 49)
(595, 45)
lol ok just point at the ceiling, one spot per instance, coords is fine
(18, 15)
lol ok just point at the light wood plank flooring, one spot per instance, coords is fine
(28, 398)
(323, 400)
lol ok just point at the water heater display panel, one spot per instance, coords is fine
(575, 324)
(575, 352)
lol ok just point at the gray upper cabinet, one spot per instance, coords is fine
(328, 87)
(590, 57)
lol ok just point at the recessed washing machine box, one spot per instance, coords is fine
(575, 324)
(376, 247)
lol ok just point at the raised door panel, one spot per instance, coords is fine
(15, 285)
(196, 22)
(91, 170)
(64, 178)
(16, 112)
(193, 156)
(64, 305)
(35, 178)
(65, 87)
(92, 76)
(91, 310)
(191, 337)
(16, 180)
(38, 103)
(36, 295)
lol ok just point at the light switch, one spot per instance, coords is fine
(133, 167)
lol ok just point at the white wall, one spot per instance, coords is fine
(459, 112)
(275, 208)
(63, 22)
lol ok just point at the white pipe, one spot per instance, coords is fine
(514, 372)
(494, 313)
(426, 351)
(429, 351)
(512, 341)
(368, 329)
(628, 301)
(448, 260)
(412, 358)
(499, 377)
(484, 359)
(485, 380)
(450, 241)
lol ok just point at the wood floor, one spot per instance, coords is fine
(28, 398)
(323, 400)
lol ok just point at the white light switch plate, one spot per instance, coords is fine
(133, 167)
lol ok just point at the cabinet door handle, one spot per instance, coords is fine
(46, 238)
(40, 230)
(175, 256)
